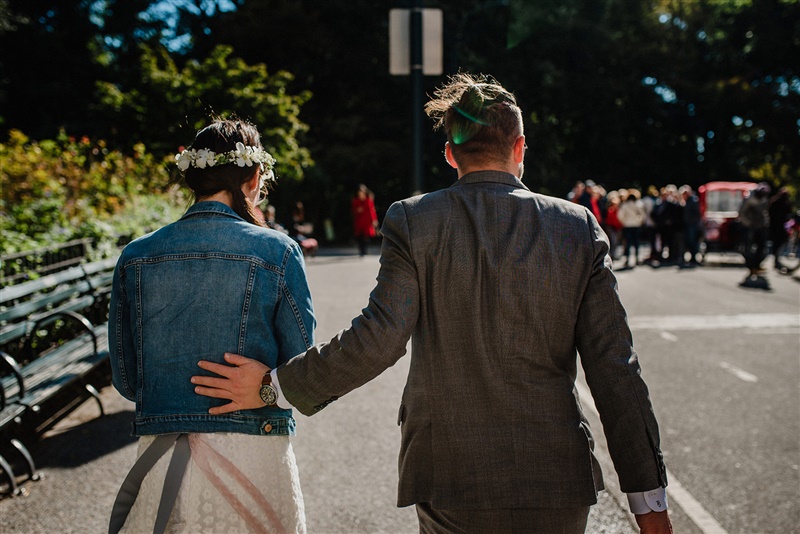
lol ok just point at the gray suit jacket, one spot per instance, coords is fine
(497, 287)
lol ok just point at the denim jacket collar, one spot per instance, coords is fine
(210, 207)
(490, 176)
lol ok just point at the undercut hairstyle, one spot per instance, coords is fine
(480, 118)
(222, 136)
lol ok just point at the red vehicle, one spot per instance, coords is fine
(719, 208)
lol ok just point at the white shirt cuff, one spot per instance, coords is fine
(281, 402)
(648, 501)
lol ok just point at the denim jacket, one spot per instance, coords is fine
(204, 285)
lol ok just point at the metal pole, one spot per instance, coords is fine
(416, 94)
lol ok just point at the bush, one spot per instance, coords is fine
(53, 191)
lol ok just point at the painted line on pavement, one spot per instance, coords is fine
(668, 336)
(675, 491)
(741, 374)
(751, 321)
(774, 332)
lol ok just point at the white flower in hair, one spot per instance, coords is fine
(243, 156)
(205, 158)
(184, 159)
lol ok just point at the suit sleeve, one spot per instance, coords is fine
(375, 340)
(613, 374)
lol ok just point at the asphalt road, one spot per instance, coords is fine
(722, 363)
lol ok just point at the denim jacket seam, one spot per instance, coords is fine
(139, 340)
(119, 332)
(290, 299)
(246, 307)
(201, 255)
(235, 416)
(164, 423)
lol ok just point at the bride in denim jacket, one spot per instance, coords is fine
(215, 281)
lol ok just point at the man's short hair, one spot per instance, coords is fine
(480, 118)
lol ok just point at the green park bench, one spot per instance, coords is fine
(56, 329)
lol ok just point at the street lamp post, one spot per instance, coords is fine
(415, 42)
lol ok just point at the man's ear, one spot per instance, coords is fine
(519, 149)
(448, 155)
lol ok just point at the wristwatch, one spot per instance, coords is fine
(267, 391)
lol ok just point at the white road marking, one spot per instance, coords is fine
(669, 336)
(693, 509)
(675, 491)
(738, 373)
(774, 331)
(757, 321)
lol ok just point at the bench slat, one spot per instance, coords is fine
(25, 289)
(12, 293)
(40, 303)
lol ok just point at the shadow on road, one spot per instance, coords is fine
(72, 446)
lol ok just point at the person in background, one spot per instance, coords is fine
(270, 220)
(500, 290)
(649, 232)
(593, 199)
(577, 192)
(670, 219)
(214, 281)
(754, 216)
(612, 224)
(780, 211)
(300, 230)
(632, 215)
(365, 219)
(692, 225)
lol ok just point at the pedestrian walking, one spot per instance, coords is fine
(650, 232)
(365, 219)
(499, 289)
(215, 280)
(780, 212)
(632, 215)
(612, 225)
(692, 226)
(754, 217)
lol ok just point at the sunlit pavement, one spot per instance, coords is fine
(721, 362)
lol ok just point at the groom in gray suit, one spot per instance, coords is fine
(500, 290)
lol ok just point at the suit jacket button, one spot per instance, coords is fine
(268, 428)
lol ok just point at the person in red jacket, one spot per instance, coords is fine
(365, 219)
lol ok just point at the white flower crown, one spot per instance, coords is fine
(242, 156)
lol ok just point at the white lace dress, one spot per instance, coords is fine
(234, 483)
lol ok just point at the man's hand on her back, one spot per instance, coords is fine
(654, 523)
(240, 383)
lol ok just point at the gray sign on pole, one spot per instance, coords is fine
(399, 45)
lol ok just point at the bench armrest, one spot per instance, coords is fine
(13, 366)
(83, 321)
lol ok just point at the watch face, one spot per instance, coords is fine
(268, 394)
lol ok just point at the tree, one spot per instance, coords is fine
(169, 104)
(627, 92)
(47, 70)
(739, 86)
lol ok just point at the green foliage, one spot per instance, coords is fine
(56, 190)
(169, 103)
(626, 92)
